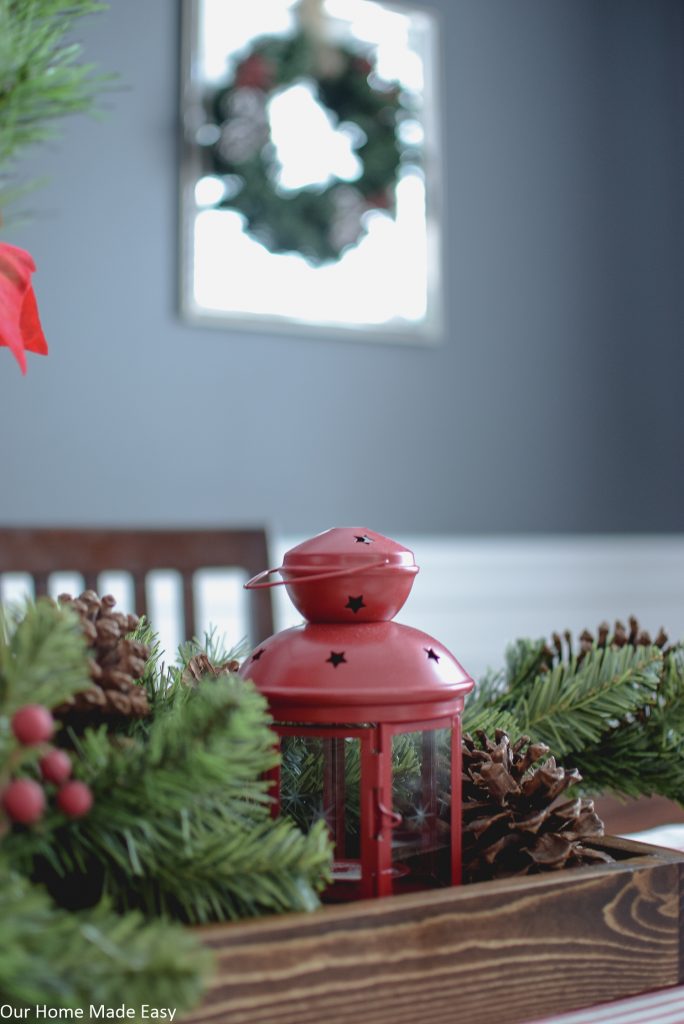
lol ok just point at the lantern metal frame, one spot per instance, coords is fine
(378, 816)
(351, 673)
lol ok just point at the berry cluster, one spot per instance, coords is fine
(24, 799)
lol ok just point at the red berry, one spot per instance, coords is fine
(33, 724)
(55, 766)
(24, 801)
(75, 799)
(256, 72)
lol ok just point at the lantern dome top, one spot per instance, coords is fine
(374, 671)
(348, 574)
(348, 547)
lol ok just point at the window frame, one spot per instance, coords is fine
(430, 330)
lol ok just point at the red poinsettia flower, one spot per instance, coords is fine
(20, 327)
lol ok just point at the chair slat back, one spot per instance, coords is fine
(42, 551)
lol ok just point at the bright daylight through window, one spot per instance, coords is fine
(311, 167)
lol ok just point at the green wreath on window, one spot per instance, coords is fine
(319, 222)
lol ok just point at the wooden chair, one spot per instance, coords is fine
(40, 552)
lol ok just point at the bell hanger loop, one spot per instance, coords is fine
(256, 582)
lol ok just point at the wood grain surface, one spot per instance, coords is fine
(508, 951)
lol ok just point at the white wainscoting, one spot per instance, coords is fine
(475, 595)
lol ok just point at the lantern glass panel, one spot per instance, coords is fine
(421, 777)
(320, 779)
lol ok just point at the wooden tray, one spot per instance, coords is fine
(506, 951)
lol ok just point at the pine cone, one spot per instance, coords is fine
(200, 666)
(116, 662)
(562, 648)
(513, 822)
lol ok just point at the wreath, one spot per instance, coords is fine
(317, 221)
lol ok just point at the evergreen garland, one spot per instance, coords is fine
(644, 754)
(181, 823)
(614, 708)
(180, 827)
(42, 656)
(42, 659)
(48, 955)
(60, 959)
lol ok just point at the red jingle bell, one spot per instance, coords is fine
(368, 715)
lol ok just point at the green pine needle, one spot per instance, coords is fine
(572, 705)
(181, 822)
(42, 77)
(644, 754)
(524, 661)
(614, 712)
(62, 959)
(489, 719)
(42, 656)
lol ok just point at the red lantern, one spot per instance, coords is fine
(368, 715)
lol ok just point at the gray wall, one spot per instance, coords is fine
(554, 403)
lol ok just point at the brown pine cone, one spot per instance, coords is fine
(513, 821)
(200, 666)
(562, 648)
(116, 663)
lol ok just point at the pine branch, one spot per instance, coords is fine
(482, 709)
(229, 871)
(645, 753)
(611, 704)
(571, 706)
(213, 646)
(163, 684)
(175, 810)
(481, 718)
(42, 656)
(525, 660)
(63, 959)
(42, 78)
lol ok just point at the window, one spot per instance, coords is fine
(310, 169)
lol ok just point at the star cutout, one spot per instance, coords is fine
(355, 604)
(336, 658)
(257, 654)
(431, 654)
(362, 540)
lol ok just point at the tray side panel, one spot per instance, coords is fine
(533, 947)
